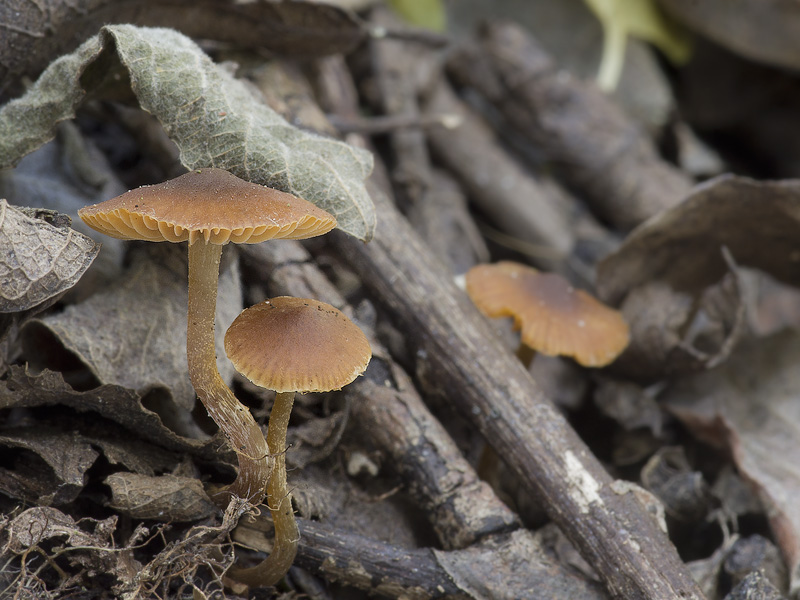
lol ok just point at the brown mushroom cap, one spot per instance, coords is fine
(209, 204)
(554, 317)
(295, 344)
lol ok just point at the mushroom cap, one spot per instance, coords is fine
(297, 345)
(211, 204)
(554, 318)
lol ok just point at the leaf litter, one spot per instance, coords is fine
(749, 407)
(744, 404)
(125, 335)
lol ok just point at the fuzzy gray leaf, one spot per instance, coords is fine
(132, 334)
(214, 119)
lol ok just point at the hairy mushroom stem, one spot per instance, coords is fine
(234, 419)
(279, 500)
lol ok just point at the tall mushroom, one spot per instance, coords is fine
(210, 208)
(291, 345)
(554, 317)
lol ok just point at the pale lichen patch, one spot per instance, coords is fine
(584, 489)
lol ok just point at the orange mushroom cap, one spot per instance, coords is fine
(297, 345)
(554, 317)
(209, 204)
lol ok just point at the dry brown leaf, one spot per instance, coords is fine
(133, 335)
(21, 388)
(121, 448)
(750, 407)
(510, 567)
(629, 404)
(681, 255)
(163, 498)
(316, 439)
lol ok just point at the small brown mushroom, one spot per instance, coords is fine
(210, 208)
(554, 317)
(291, 345)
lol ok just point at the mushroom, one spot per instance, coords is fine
(554, 317)
(210, 208)
(311, 347)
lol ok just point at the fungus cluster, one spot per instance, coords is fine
(284, 344)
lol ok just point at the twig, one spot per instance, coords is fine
(507, 567)
(353, 560)
(513, 199)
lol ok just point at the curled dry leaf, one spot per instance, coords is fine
(215, 119)
(676, 260)
(315, 440)
(38, 260)
(67, 455)
(131, 335)
(77, 554)
(163, 498)
(750, 407)
(20, 388)
(122, 448)
(674, 332)
(683, 491)
(627, 403)
(757, 221)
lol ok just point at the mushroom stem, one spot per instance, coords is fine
(279, 499)
(234, 419)
(526, 354)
